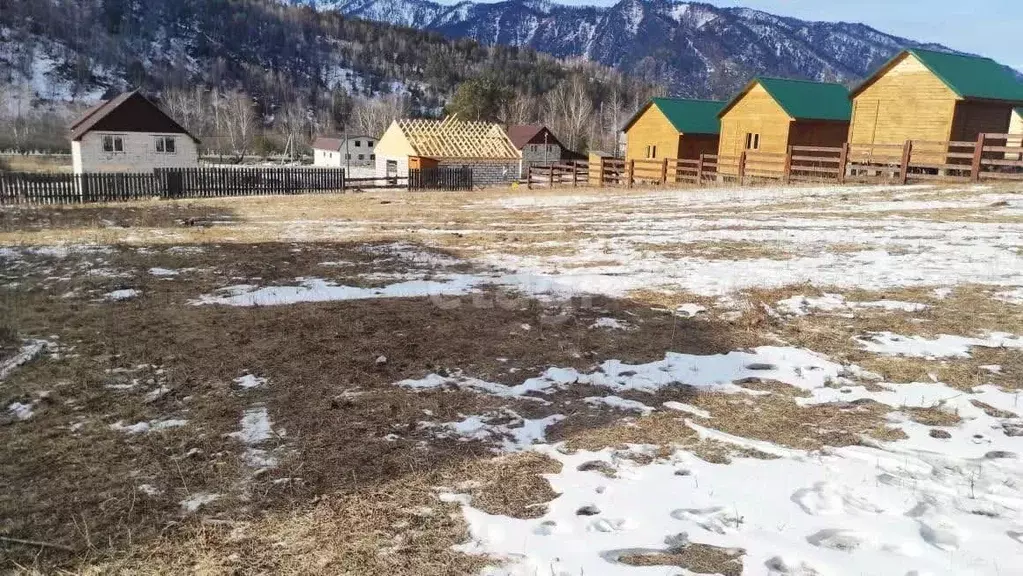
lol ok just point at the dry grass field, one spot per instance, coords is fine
(802, 381)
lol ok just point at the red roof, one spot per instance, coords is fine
(530, 134)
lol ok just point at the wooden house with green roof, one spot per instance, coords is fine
(771, 114)
(932, 96)
(673, 128)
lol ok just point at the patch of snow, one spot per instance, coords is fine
(689, 310)
(197, 500)
(802, 305)
(163, 272)
(610, 324)
(156, 393)
(21, 411)
(687, 408)
(125, 294)
(317, 290)
(249, 381)
(1011, 296)
(30, 349)
(150, 490)
(255, 427)
(794, 366)
(515, 435)
(619, 403)
(144, 426)
(944, 346)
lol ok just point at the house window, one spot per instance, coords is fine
(369, 143)
(348, 156)
(372, 156)
(752, 141)
(362, 156)
(358, 143)
(651, 151)
(113, 144)
(166, 145)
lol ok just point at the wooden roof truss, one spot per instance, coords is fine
(453, 138)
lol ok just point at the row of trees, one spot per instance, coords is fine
(263, 76)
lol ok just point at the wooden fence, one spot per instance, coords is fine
(42, 188)
(440, 178)
(990, 157)
(220, 182)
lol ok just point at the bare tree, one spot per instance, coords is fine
(570, 106)
(292, 121)
(236, 117)
(371, 116)
(521, 109)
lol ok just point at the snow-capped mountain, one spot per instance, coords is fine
(696, 49)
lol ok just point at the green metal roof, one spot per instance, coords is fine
(806, 100)
(687, 116)
(972, 76)
(691, 116)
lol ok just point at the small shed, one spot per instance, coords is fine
(130, 134)
(341, 152)
(771, 114)
(673, 128)
(537, 145)
(935, 97)
(482, 146)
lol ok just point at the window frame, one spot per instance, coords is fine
(116, 144)
(166, 145)
(752, 141)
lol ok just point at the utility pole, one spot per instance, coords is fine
(348, 154)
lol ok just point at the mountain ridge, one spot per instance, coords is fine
(695, 48)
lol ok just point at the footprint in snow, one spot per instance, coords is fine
(825, 499)
(715, 519)
(609, 525)
(941, 533)
(838, 539)
(937, 529)
(789, 566)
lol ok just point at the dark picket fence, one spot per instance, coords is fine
(220, 182)
(33, 188)
(440, 178)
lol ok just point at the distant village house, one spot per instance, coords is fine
(537, 145)
(673, 128)
(130, 134)
(339, 152)
(418, 144)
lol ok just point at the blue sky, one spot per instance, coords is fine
(991, 28)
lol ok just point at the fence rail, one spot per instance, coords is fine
(990, 157)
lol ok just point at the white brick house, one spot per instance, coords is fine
(342, 153)
(130, 134)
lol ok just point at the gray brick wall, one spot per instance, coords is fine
(488, 172)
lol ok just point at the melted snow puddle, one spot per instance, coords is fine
(919, 506)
